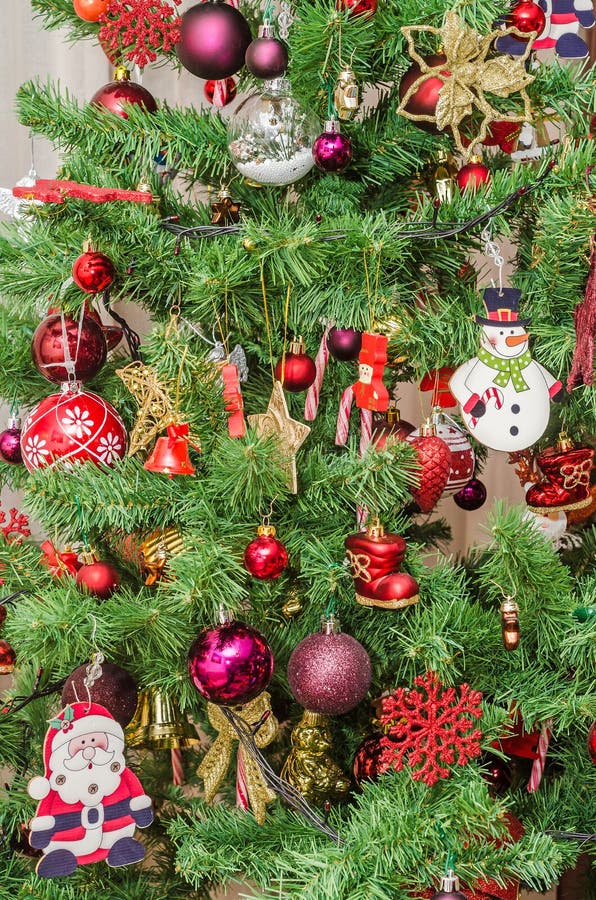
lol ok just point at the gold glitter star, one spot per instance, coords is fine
(290, 435)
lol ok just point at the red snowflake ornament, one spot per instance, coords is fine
(139, 29)
(17, 525)
(430, 728)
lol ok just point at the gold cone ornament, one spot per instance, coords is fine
(309, 767)
(158, 724)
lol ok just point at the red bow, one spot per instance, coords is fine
(59, 563)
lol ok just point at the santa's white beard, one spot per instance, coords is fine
(75, 788)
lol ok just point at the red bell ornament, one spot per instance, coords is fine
(473, 175)
(117, 94)
(63, 347)
(170, 454)
(527, 17)
(296, 370)
(93, 271)
(98, 577)
(265, 557)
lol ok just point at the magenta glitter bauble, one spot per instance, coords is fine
(368, 764)
(115, 95)
(73, 426)
(230, 664)
(344, 343)
(329, 672)
(115, 689)
(10, 445)
(267, 56)
(471, 496)
(99, 578)
(214, 38)
(266, 557)
(87, 349)
(93, 271)
(332, 150)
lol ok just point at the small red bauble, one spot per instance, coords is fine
(368, 764)
(527, 17)
(473, 175)
(10, 448)
(329, 672)
(434, 457)
(230, 663)
(364, 8)
(90, 10)
(297, 371)
(344, 343)
(86, 345)
(592, 743)
(423, 102)
(332, 150)
(93, 272)
(8, 658)
(117, 93)
(266, 557)
(73, 426)
(221, 92)
(266, 56)
(98, 577)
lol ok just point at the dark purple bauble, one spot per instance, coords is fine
(368, 764)
(266, 57)
(471, 496)
(230, 664)
(329, 673)
(332, 150)
(448, 895)
(497, 774)
(344, 343)
(116, 690)
(214, 38)
(88, 349)
(10, 443)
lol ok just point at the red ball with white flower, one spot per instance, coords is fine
(73, 426)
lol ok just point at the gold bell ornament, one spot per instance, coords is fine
(158, 724)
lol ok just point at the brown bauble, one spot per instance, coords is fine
(116, 690)
(423, 101)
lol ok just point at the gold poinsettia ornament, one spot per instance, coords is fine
(468, 72)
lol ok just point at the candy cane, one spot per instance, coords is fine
(343, 416)
(312, 397)
(241, 786)
(540, 761)
(177, 769)
(491, 393)
(365, 430)
(220, 94)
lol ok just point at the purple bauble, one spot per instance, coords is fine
(10, 442)
(214, 38)
(471, 496)
(344, 343)
(267, 56)
(332, 150)
(329, 672)
(230, 663)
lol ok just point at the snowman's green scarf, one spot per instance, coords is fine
(507, 368)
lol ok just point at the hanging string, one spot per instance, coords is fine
(286, 317)
(82, 522)
(492, 250)
(330, 103)
(267, 320)
(376, 288)
(268, 12)
(367, 282)
(179, 382)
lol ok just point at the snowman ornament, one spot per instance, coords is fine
(504, 394)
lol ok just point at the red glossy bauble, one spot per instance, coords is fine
(344, 343)
(99, 578)
(423, 101)
(471, 496)
(266, 56)
(115, 95)
(115, 689)
(266, 557)
(297, 370)
(93, 272)
(10, 449)
(368, 764)
(473, 175)
(388, 428)
(434, 458)
(87, 348)
(8, 658)
(329, 672)
(592, 743)
(364, 8)
(230, 663)
(220, 93)
(527, 17)
(90, 10)
(73, 426)
(214, 37)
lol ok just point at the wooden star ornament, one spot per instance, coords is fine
(289, 434)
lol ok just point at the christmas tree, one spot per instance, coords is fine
(236, 521)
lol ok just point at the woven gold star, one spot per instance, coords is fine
(466, 74)
(290, 435)
(156, 409)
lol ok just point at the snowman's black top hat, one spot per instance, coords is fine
(501, 307)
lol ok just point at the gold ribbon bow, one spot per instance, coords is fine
(359, 563)
(217, 760)
(466, 75)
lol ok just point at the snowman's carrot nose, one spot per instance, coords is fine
(515, 339)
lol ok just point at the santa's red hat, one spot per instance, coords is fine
(75, 720)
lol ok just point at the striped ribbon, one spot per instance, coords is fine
(241, 785)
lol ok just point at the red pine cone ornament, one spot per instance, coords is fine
(463, 458)
(434, 457)
(266, 557)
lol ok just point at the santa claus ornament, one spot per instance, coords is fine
(368, 393)
(504, 394)
(90, 803)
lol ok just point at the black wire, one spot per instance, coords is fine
(131, 337)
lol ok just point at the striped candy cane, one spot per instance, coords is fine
(177, 769)
(366, 418)
(540, 761)
(220, 94)
(491, 393)
(312, 397)
(343, 416)
(241, 786)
